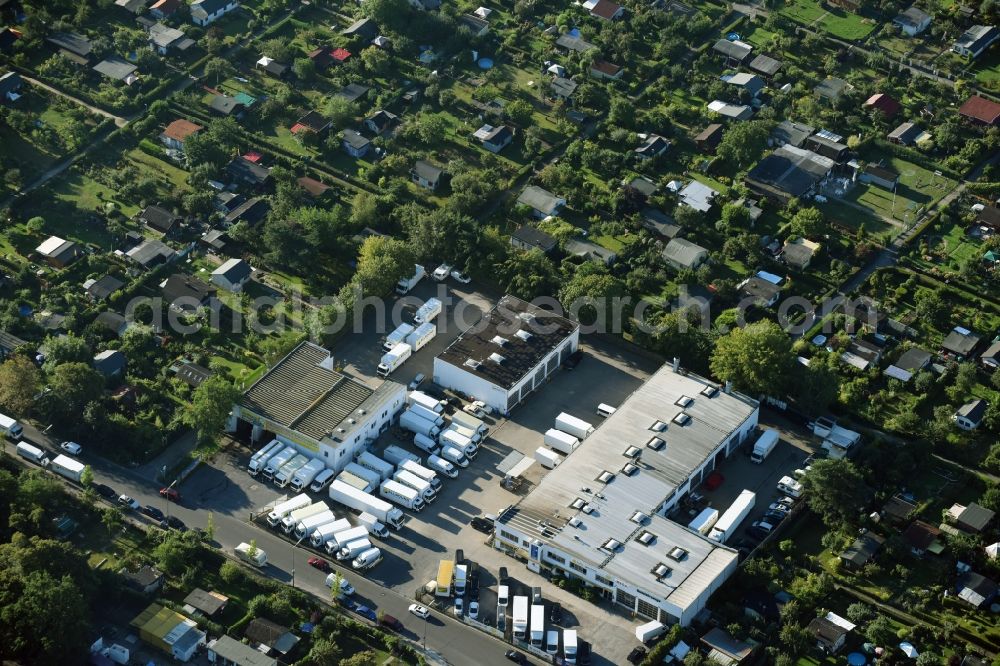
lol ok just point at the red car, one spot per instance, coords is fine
(319, 563)
(170, 494)
(714, 480)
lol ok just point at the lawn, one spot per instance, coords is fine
(987, 71)
(918, 189)
(176, 176)
(837, 23)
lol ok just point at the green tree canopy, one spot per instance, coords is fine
(808, 222)
(743, 143)
(19, 382)
(755, 358)
(835, 490)
(210, 405)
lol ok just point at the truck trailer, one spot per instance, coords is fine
(284, 475)
(344, 537)
(459, 441)
(764, 445)
(307, 526)
(67, 467)
(730, 521)
(547, 457)
(537, 625)
(404, 496)
(704, 521)
(366, 473)
(306, 474)
(406, 284)
(374, 463)
(361, 483)
(396, 455)
(421, 398)
(397, 336)
(574, 426)
(352, 549)
(278, 460)
(393, 358)
(418, 424)
(420, 336)
(430, 415)
(469, 421)
(425, 443)
(427, 475)
(413, 481)
(472, 434)
(374, 525)
(428, 311)
(560, 441)
(569, 645)
(359, 501)
(32, 453)
(284, 508)
(289, 522)
(520, 617)
(326, 531)
(647, 632)
(260, 459)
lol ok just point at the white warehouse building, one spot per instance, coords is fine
(508, 353)
(601, 515)
(305, 402)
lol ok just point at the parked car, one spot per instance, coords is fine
(573, 360)
(319, 563)
(779, 507)
(583, 653)
(515, 656)
(763, 526)
(420, 611)
(365, 611)
(480, 524)
(416, 382)
(459, 276)
(176, 523)
(170, 494)
(71, 448)
(127, 501)
(153, 512)
(555, 613)
(389, 622)
(775, 517)
(459, 606)
(503, 574)
(105, 491)
(636, 655)
(474, 610)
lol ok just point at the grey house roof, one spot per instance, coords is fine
(529, 235)
(790, 132)
(540, 199)
(71, 41)
(766, 65)
(682, 252)
(355, 140)
(791, 170)
(736, 50)
(115, 68)
(234, 270)
(574, 43)
(427, 171)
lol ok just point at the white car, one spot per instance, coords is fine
(71, 448)
(127, 501)
(474, 610)
(441, 272)
(459, 607)
(459, 276)
(346, 589)
(420, 611)
(779, 507)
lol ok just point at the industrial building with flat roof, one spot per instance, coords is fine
(305, 401)
(601, 514)
(508, 353)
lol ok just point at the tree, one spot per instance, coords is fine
(735, 215)
(338, 580)
(795, 638)
(933, 307)
(382, 261)
(366, 658)
(756, 358)
(73, 386)
(340, 111)
(216, 69)
(879, 631)
(376, 61)
(66, 349)
(210, 406)
(304, 68)
(87, 476)
(519, 112)
(210, 526)
(808, 222)
(743, 143)
(252, 550)
(112, 519)
(387, 13)
(177, 552)
(34, 607)
(835, 490)
(814, 387)
(19, 382)
(592, 294)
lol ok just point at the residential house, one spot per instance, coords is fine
(243, 171)
(10, 83)
(991, 357)
(797, 253)
(166, 40)
(252, 211)
(314, 188)
(752, 83)
(697, 195)
(975, 589)
(725, 649)
(9, 344)
(708, 139)
(112, 322)
(590, 251)
(788, 133)
(476, 25)
(861, 354)
(730, 111)
(134, 7)
(227, 651)
(787, 173)
(530, 238)
(766, 66)
(59, 253)
(960, 343)
(364, 29)
(117, 69)
(110, 363)
(980, 111)
(882, 103)
(263, 632)
(233, 275)
(642, 185)
(74, 47)
(150, 254)
(682, 254)
(989, 216)
(898, 509)
(227, 106)
(177, 132)
(204, 12)
(658, 222)
(353, 92)
(102, 288)
(159, 219)
(380, 121)
(733, 52)
(186, 293)
(754, 211)
(563, 88)
(215, 240)
(653, 145)
(165, 8)
(763, 293)
(830, 632)
(278, 70)
(970, 415)
(912, 361)
(313, 122)
(975, 40)
(832, 88)
(321, 57)
(568, 42)
(170, 632)
(907, 134)
(971, 518)
(862, 551)
(494, 139)
(828, 147)
(542, 202)
(923, 538)
(426, 175)
(206, 603)
(912, 21)
(604, 9)
(602, 69)
(881, 176)
(193, 375)
(146, 580)
(355, 144)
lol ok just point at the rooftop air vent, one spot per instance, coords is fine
(656, 444)
(499, 340)
(523, 334)
(588, 508)
(683, 401)
(575, 521)
(497, 358)
(681, 418)
(611, 545)
(639, 518)
(658, 426)
(629, 469)
(646, 537)
(632, 452)
(577, 503)
(605, 476)
(710, 391)
(661, 570)
(677, 553)
(362, 412)
(472, 363)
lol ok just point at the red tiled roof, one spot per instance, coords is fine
(887, 105)
(605, 67)
(252, 156)
(298, 127)
(981, 109)
(605, 9)
(312, 186)
(340, 55)
(181, 129)
(167, 7)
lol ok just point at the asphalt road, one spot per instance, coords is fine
(444, 637)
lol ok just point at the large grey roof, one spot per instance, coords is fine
(233, 651)
(115, 68)
(540, 199)
(791, 170)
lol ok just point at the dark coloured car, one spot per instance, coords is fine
(573, 360)
(503, 574)
(555, 614)
(755, 535)
(390, 622)
(583, 653)
(515, 656)
(153, 512)
(774, 517)
(106, 491)
(636, 655)
(714, 480)
(365, 611)
(480, 524)
(176, 523)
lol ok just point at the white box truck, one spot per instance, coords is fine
(474, 435)
(373, 524)
(284, 508)
(371, 461)
(245, 552)
(469, 421)
(421, 335)
(730, 520)
(393, 358)
(367, 559)
(326, 531)
(259, 459)
(705, 520)
(439, 464)
(574, 426)
(421, 398)
(428, 311)
(404, 496)
(561, 441)
(32, 453)
(284, 475)
(454, 438)
(10, 428)
(569, 645)
(461, 578)
(454, 456)
(307, 473)
(307, 526)
(647, 632)
(397, 336)
(547, 457)
(322, 480)
(406, 284)
(427, 475)
(424, 413)
(67, 467)
(344, 537)
(790, 487)
(418, 424)
(425, 443)
(537, 625)
(361, 483)
(277, 461)
(764, 445)
(413, 481)
(396, 455)
(520, 617)
(289, 522)
(359, 501)
(352, 549)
